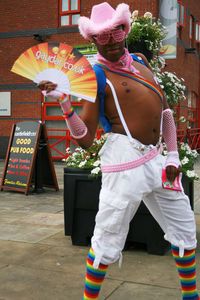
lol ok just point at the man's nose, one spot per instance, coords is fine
(111, 40)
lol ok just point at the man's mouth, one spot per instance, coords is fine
(111, 49)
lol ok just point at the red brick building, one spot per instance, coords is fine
(24, 24)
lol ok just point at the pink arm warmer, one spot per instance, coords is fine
(76, 126)
(169, 135)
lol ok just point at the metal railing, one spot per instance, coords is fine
(194, 138)
(190, 136)
(63, 137)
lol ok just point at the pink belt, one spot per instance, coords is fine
(131, 164)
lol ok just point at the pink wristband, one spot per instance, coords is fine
(69, 114)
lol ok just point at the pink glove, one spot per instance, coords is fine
(169, 134)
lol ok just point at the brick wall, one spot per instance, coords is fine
(27, 14)
(141, 5)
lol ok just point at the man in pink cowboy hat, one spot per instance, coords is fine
(131, 106)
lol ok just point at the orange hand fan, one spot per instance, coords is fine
(61, 64)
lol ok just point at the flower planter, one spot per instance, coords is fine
(81, 199)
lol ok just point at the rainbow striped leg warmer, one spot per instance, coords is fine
(186, 266)
(94, 278)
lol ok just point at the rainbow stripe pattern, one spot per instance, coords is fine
(186, 266)
(94, 278)
(137, 78)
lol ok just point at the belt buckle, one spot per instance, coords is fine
(142, 148)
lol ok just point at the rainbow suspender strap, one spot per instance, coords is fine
(135, 77)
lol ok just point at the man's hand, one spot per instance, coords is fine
(172, 172)
(48, 89)
(47, 86)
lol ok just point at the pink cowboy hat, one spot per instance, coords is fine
(104, 17)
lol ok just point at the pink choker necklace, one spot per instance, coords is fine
(123, 64)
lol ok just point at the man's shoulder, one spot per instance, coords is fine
(139, 57)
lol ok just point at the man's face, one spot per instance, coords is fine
(110, 44)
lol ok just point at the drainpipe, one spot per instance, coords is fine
(198, 112)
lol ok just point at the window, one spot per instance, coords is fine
(197, 32)
(69, 12)
(181, 14)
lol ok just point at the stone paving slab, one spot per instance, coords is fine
(12, 252)
(12, 216)
(130, 291)
(22, 283)
(16, 217)
(59, 239)
(28, 234)
(42, 219)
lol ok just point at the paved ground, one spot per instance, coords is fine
(38, 262)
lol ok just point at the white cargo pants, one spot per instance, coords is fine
(120, 197)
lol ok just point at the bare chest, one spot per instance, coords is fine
(133, 96)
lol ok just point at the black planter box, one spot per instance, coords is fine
(81, 199)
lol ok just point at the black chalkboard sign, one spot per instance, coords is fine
(24, 156)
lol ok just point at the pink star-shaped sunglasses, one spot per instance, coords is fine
(117, 34)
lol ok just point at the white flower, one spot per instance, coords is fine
(96, 170)
(182, 119)
(82, 163)
(148, 15)
(98, 142)
(191, 173)
(68, 150)
(183, 146)
(188, 151)
(165, 152)
(135, 14)
(185, 160)
(194, 153)
(97, 163)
